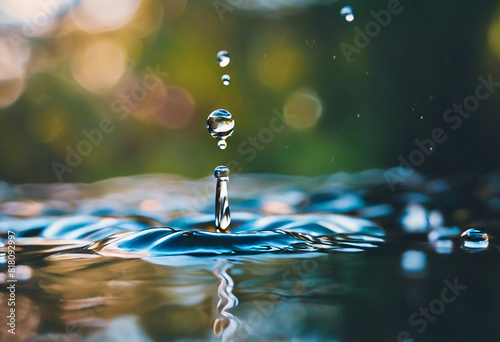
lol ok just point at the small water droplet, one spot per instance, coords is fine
(222, 144)
(474, 238)
(226, 79)
(220, 124)
(221, 171)
(223, 58)
(421, 117)
(346, 11)
(334, 57)
(358, 115)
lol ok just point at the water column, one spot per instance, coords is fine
(222, 214)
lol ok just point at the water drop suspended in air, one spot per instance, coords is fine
(346, 11)
(222, 214)
(222, 144)
(226, 79)
(223, 58)
(220, 125)
(474, 238)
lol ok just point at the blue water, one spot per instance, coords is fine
(334, 258)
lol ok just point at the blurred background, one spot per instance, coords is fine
(91, 89)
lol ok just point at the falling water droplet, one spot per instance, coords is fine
(226, 79)
(223, 58)
(346, 11)
(358, 115)
(222, 214)
(220, 124)
(421, 117)
(222, 144)
(474, 238)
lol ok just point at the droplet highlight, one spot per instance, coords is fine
(474, 238)
(223, 58)
(226, 79)
(220, 124)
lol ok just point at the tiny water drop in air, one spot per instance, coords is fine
(222, 144)
(474, 238)
(223, 58)
(220, 124)
(346, 11)
(226, 79)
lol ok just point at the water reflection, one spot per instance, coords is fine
(91, 297)
(225, 324)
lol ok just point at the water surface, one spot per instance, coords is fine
(334, 258)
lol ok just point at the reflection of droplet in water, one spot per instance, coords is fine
(413, 262)
(226, 79)
(220, 124)
(222, 144)
(222, 214)
(223, 58)
(226, 323)
(474, 238)
(346, 11)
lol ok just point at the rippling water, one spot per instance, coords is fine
(334, 258)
